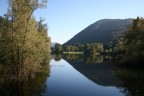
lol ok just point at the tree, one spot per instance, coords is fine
(130, 49)
(24, 41)
(91, 49)
(57, 48)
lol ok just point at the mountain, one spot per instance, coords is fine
(103, 31)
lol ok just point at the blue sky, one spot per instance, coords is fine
(65, 18)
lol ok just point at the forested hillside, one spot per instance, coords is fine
(104, 31)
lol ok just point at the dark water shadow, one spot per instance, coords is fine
(23, 81)
(100, 70)
(95, 68)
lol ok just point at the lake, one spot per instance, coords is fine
(75, 75)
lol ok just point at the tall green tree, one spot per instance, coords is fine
(130, 48)
(24, 41)
(57, 48)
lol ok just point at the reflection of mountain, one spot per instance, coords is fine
(100, 73)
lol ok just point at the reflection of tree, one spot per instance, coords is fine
(100, 73)
(76, 57)
(27, 80)
(87, 59)
(94, 59)
(57, 57)
(130, 81)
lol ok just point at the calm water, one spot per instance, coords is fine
(75, 75)
(65, 80)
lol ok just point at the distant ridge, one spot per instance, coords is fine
(103, 31)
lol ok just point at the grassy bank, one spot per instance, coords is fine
(72, 52)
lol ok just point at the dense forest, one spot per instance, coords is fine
(130, 48)
(24, 42)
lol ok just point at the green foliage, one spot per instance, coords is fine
(16, 81)
(93, 48)
(57, 48)
(130, 48)
(71, 48)
(24, 41)
(87, 48)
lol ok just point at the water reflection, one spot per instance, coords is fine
(26, 80)
(100, 70)
(74, 75)
(75, 57)
(92, 59)
(94, 68)
(67, 81)
(57, 57)
(130, 81)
